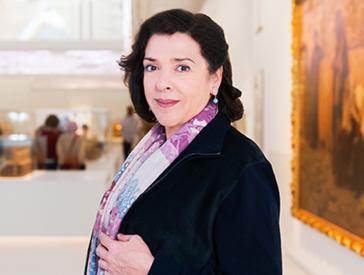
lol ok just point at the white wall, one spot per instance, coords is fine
(270, 51)
(235, 18)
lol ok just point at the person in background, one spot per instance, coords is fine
(46, 138)
(85, 131)
(144, 128)
(129, 130)
(70, 149)
(195, 196)
(93, 147)
(1, 150)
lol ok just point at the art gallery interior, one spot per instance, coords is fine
(60, 57)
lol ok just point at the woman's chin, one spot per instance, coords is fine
(167, 123)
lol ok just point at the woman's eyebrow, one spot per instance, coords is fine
(150, 59)
(176, 59)
(184, 59)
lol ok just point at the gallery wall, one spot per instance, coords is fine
(259, 34)
(235, 18)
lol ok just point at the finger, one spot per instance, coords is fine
(103, 265)
(102, 252)
(105, 240)
(124, 238)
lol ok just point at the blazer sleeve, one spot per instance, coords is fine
(246, 231)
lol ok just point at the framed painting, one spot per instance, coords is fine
(328, 118)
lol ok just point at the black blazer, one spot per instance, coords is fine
(214, 210)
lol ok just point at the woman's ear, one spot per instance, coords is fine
(216, 79)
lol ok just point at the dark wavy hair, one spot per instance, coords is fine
(209, 35)
(52, 121)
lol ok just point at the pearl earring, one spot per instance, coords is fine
(215, 99)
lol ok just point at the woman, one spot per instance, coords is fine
(129, 130)
(70, 149)
(46, 138)
(195, 196)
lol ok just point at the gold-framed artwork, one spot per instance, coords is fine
(328, 118)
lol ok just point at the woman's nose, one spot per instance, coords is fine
(164, 81)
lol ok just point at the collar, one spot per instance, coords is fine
(210, 139)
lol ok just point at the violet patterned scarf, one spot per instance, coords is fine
(146, 162)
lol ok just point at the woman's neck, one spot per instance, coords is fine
(170, 131)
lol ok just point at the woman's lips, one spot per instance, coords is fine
(166, 103)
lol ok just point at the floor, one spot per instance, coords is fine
(42, 255)
(290, 267)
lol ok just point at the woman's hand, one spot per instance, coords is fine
(128, 255)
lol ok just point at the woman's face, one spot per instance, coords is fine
(177, 82)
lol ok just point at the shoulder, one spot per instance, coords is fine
(242, 157)
(240, 149)
(65, 137)
(62, 136)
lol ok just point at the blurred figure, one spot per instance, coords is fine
(351, 172)
(144, 128)
(85, 131)
(129, 130)
(70, 149)
(312, 91)
(46, 138)
(93, 147)
(1, 150)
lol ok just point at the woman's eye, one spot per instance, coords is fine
(183, 68)
(150, 68)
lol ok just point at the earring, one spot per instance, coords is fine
(215, 99)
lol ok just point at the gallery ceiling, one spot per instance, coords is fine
(85, 37)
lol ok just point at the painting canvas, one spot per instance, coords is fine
(328, 118)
